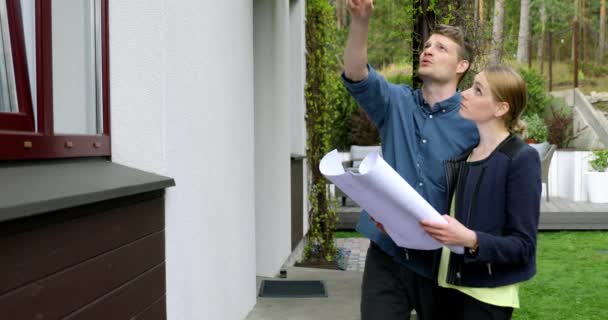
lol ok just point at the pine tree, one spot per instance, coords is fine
(497, 31)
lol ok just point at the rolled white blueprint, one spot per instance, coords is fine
(388, 198)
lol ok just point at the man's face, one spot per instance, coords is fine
(439, 60)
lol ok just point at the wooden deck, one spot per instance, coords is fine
(556, 214)
(563, 214)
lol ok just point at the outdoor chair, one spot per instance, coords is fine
(357, 154)
(545, 150)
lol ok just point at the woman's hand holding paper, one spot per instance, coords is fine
(451, 233)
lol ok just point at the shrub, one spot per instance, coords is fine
(560, 127)
(467, 81)
(536, 128)
(538, 98)
(345, 108)
(363, 131)
(400, 78)
(599, 162)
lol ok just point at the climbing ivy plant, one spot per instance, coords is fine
(322, 81)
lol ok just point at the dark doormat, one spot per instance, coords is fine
(292, 289)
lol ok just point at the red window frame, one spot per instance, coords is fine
(18, 137)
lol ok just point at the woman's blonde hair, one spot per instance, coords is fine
(508, 86)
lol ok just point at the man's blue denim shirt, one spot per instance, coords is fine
(416, 139)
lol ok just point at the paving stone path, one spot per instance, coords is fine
(358, 251)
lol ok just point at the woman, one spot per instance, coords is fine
(495, 208)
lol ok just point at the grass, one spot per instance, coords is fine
(348, 234)
(402, 68)
(571, 280)
(563, 77)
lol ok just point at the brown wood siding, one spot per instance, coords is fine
(297, 202)
(128, 300)
(157, 311)
(102, 261)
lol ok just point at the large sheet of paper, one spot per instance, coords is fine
(387, 197)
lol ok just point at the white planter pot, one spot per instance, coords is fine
(567, 177)
(597, 186)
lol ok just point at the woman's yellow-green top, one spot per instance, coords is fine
(504, 296)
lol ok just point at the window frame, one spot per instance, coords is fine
(24, 119)
(18, 137)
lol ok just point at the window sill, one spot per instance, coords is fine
(33, 188)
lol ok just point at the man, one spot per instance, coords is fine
(419, 129)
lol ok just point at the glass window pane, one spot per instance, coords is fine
(76, 66)
(8, 93)
(28, 17)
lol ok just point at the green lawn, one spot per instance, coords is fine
(348, 234)
(572, 278)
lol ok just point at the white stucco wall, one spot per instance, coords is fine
(272, 135)
(297, 76)
(182, 105)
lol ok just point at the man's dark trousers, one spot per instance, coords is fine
(390, 291)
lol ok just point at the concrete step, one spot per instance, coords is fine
(348, 217)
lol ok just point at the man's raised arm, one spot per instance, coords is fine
(355, 54)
